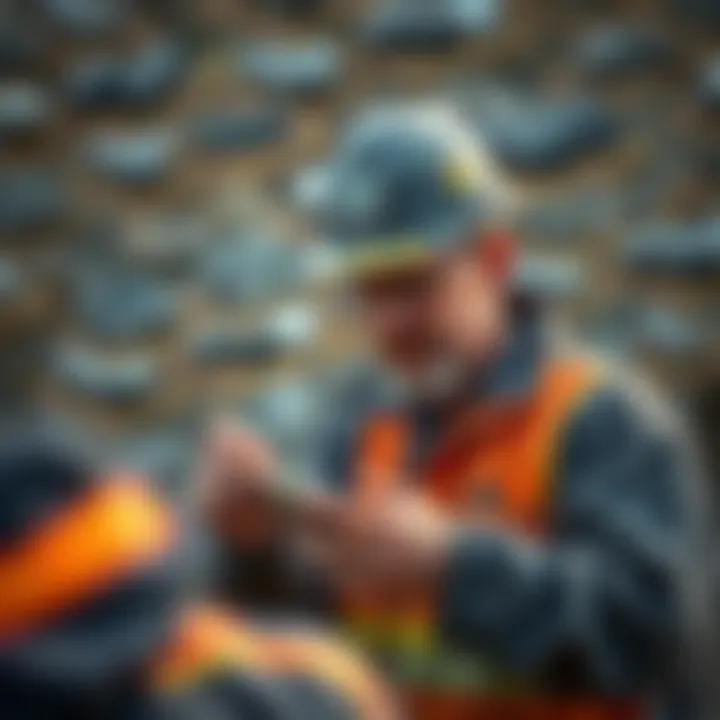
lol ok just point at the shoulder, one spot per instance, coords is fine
(623, 405)
(626, 442)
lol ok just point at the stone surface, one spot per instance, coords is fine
(295, 326)
(12, 283)
(293, 67)
(123, 306)
(94, 82)
(543, 135)
(30, 198)
(288, 413)
(665, 331)
(165, 454)
(403, 26)
(249, 269)
(702, 13)
(223, 346)
(399, 27)
(152, 73)
(617, 50)
(709, 85)
(24, 109)
(139, 80)
(103, 378)
(296, 8)
(137, 158)
(550, 277)
(307, 188)
(86, 17)
(687, 249)
(235, 129)
(21, 46)
(169, 244)
(575, 215)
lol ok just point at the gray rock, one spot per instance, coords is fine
(250, 269)
(104, 378)
(617, 50)
(139, 80)
(221, 346)
(30, 198)
(295, 68)
(687, 249)
(665, 331)
(295, 326)
(87, 17)
(94, 83)
(22, 46)
(706, 164)
(163, 454)
(169, 244)
(709, 86)
(151, 74)
(477, 16)
(702, 13)
(437, 27)
(572, 216)
(290, 414)
(239, 129)
(613, 330)
(307, 188)
(24, 109)
(134, 158)
(123, 306)
(398, 27)
(533, 135)
(296, 8)
(290, 329)
(12, 283)
(639, 326)
(550, 277)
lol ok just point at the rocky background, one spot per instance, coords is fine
(157, 175)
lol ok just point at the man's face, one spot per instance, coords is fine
(430, 320)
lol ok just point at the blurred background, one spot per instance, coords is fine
(160, 167)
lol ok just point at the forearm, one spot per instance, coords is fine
(582, 615)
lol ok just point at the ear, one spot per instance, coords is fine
(497, 251)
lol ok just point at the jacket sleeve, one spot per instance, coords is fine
(603, 602)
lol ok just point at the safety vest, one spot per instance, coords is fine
(494, 465)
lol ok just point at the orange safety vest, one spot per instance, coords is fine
(493, 465)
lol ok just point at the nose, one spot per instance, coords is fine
(393, 315)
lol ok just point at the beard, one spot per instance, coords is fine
(435, 381)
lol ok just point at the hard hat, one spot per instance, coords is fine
(406, 182)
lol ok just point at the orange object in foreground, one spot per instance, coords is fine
(206, 640)
(79, 552)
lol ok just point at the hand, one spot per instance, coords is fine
(392, 546)
(235, 485)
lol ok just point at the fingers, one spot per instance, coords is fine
(232, 484)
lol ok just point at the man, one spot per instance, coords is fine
(520, 523)
(91, 624)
